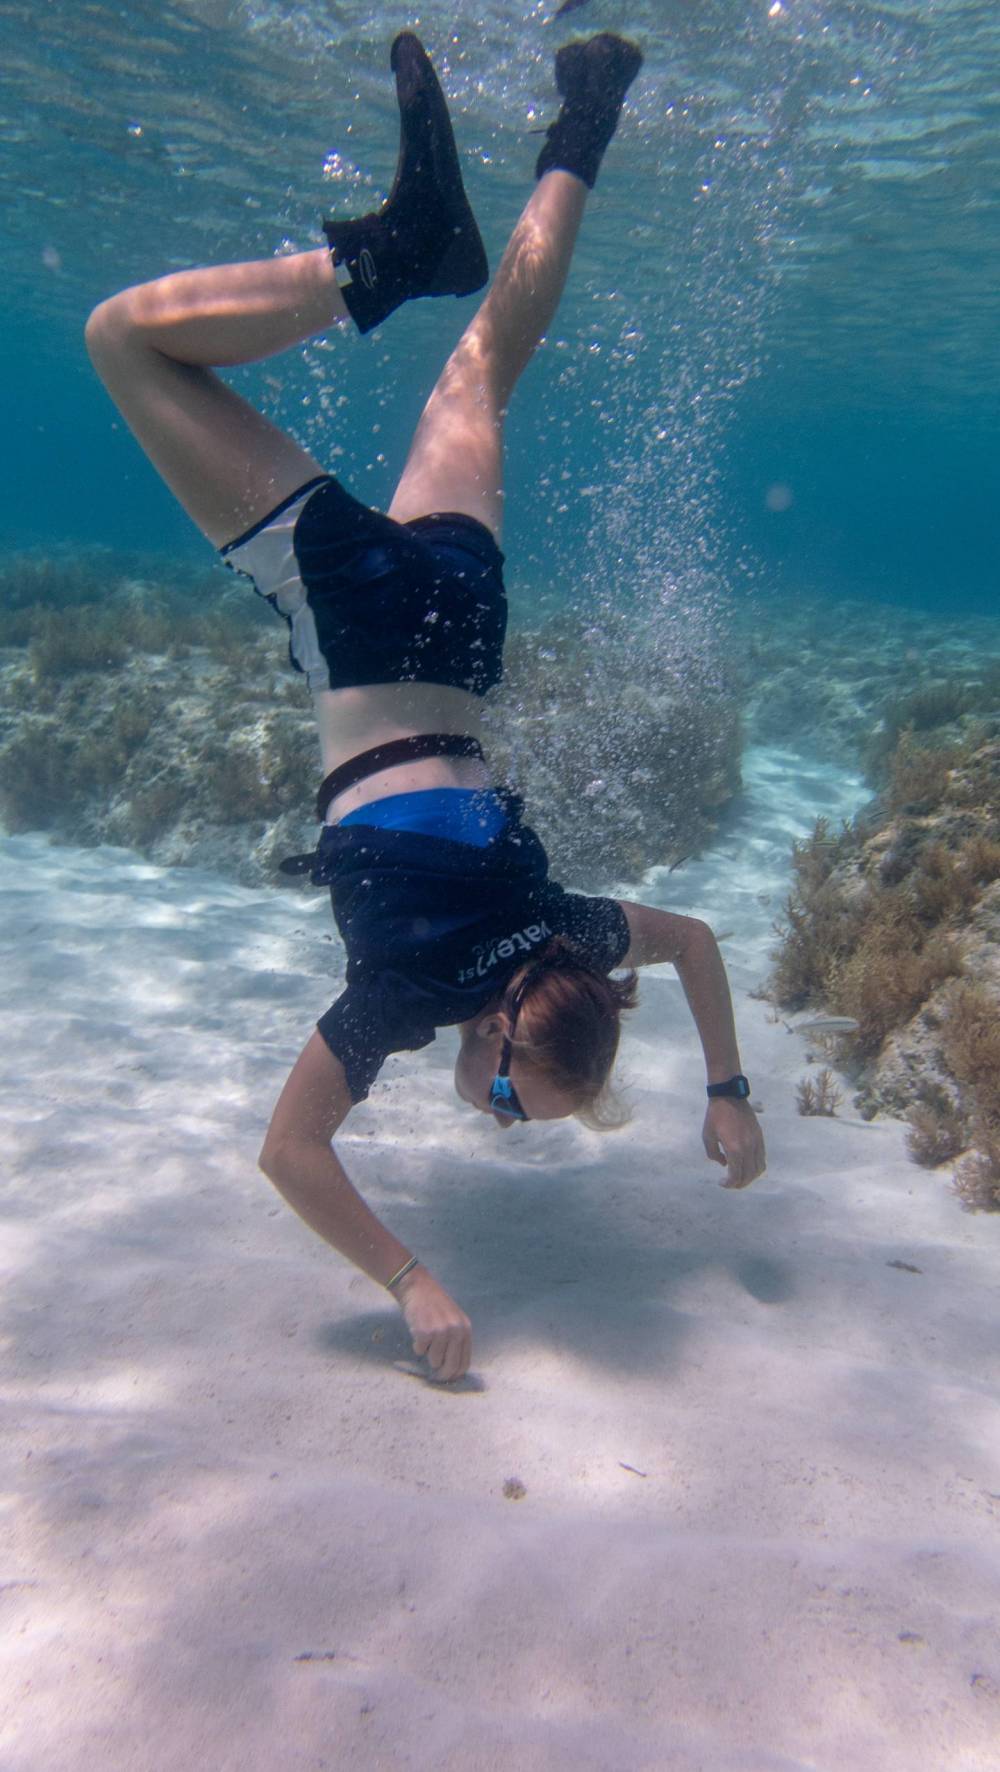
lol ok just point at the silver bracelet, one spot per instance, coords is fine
(401, 1273)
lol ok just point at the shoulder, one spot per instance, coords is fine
(598, 925)
(375, 1015)
(656, 936)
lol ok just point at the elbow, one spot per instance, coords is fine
(698, 939)
(285, 1158)
(272, 1159)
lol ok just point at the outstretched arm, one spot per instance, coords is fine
(731, 1131)
(297, 1157)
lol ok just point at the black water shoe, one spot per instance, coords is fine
(424, 240)
(593, 79)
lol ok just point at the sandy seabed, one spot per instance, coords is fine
(750, 1442)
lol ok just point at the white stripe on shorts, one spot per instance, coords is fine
(268, 560)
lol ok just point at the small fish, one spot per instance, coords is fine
(674, 865)
(568, 6)
(826, 1024)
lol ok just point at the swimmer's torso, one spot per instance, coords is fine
(354, 720)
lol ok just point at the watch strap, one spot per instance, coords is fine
(737, 1088)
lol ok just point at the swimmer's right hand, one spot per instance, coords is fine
(441, 1332)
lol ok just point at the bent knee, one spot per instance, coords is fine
(109, 327)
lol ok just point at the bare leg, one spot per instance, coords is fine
(456, 458)
(154, 346)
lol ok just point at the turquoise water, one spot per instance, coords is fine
(777, 364)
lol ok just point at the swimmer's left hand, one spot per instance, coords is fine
(733, 1138)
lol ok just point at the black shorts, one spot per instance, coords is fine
(369, 600)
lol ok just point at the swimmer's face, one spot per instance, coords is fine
(476, 1068)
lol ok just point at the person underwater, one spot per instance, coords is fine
(440, 890)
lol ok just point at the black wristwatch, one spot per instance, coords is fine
(737, 1087)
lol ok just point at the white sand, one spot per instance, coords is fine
(238, 1535)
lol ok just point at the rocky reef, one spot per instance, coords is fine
(149, 712)
(894, 921)
(144, 706)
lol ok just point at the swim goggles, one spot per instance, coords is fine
(503, 1095)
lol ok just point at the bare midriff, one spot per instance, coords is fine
(354, 720)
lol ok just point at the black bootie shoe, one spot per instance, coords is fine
(593, 79)
(424, 240)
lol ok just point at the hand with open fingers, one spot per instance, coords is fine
(440, 1331)
(733, 1138)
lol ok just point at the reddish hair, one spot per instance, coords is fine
(568, 1028)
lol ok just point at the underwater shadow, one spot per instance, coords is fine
(381, 1340)
(546, 1241)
